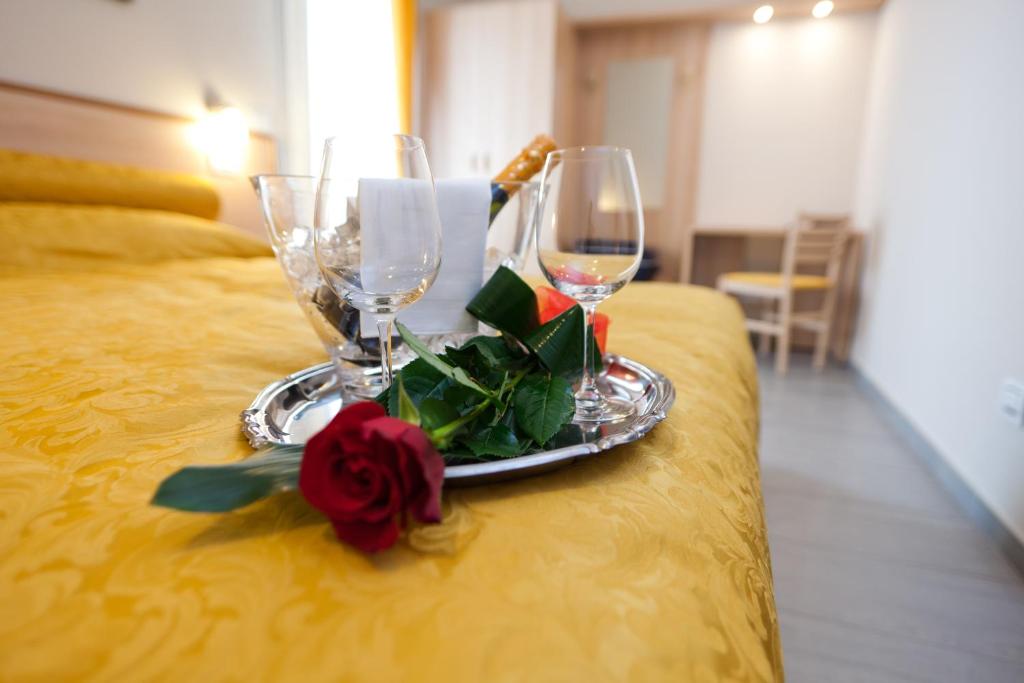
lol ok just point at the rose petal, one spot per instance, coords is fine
(356, 485)
(420, 466)
(336, 442)
(387, 433)
(385, 439)
(315, 472)
(425, 500)
(370, 537)
(353, 416)
(390, 428)
(389, 500)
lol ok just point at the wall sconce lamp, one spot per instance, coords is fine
(223, 136)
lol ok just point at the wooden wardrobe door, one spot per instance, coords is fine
(450, 98)
(488, 82)
(522, 106)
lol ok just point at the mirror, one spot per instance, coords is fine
(643, 129)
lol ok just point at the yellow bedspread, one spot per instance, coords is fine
(648, 563)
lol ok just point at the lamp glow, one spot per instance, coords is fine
(823, 9)
(223, 136)
(763, 14)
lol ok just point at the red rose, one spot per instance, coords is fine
(366, 471)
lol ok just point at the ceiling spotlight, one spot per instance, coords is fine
(763, 14)
(823, 9)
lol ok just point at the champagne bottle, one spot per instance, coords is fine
(527, 164)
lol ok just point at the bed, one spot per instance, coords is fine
(135, 330)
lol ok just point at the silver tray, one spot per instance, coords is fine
(295, 408)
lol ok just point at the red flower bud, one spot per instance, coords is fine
(366, 472)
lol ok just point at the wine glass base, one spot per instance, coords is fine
(609, 409)
(361, 386)
(358, 372)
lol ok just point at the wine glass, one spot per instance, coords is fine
(378, 234)
(590, 239)
(287, 203)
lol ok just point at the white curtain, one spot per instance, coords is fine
(352, 89)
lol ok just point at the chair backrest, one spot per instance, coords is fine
(815, 247)
(822, 221)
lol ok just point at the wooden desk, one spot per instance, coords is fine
(710, 250)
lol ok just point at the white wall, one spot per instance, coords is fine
(604, 9)
(783, 118)
(156, 54)
(609, 9)
(942, 188)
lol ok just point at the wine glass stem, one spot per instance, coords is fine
(384, 324)
(588, 400)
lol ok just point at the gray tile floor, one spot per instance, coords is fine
(878, 575)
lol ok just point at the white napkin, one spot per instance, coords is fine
(464, 207)
(392, 212)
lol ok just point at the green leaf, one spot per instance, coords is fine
(406, 408)
(506, 303)
(455, 374)
(220, 488)
(469, 359)
(461, 455)
(542, 405)
(436, 413)
(460, 398)
(420, 381)
(559, 344)
(442, 436)
(482, 363)
(497, 351)
(495, 441)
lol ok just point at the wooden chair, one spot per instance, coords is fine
(815, 247)
(807, 220)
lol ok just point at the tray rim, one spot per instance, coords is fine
(259, 432)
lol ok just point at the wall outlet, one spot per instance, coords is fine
(1011, 401)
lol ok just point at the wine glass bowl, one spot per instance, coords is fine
(589, 236)
(588, 277)
(378, 233)
(287, 203)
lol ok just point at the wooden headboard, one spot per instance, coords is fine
(33, 120)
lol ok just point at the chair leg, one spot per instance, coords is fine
(764, 342)
(821, 348)
(782, 353)
(824, 336)
(786, 323)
